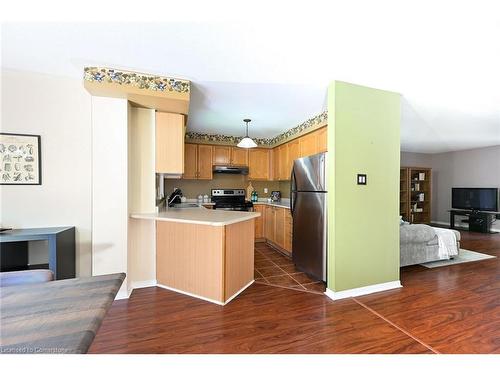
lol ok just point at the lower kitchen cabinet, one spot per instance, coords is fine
(259, 222)
(288, 231)
(269, 224)
(279, 223)
(276, 225)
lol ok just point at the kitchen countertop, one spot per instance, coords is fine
(284, 203)
(199, 215)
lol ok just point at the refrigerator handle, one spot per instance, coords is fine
(292, 191)
(322, 170)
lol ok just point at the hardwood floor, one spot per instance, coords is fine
(453, 309)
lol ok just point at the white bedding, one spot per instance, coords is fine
(447, 243)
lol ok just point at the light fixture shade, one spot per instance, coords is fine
(247, 142)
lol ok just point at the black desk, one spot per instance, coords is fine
(61, 241)
(479, 221)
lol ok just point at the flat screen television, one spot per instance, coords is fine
(480, 199)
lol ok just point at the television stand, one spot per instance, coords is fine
(479, 221)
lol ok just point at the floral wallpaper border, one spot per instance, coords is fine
(267, 142)
(139, 80)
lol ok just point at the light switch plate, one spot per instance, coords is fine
(265, 190)
(361, 179)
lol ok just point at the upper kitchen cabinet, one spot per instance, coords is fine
(308, 144)
(198, 162)
(322, 139)
(258, 164)
(239, 156)
(283, 162)
(190, 161)
(222, 155)
(275, 165)
(169, 143)
(204, 162)
(293, 153)
(226, 155)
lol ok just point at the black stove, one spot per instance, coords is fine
(230, 200)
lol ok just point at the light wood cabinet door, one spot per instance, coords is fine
(275, 164)
(259, 222)
(322, 139)
(283, 162)
(258, 164)
(204, 162)
(269, 220)
(279, 226)
(222, 155)
(239, 156)
(288, 231)
(169, 143)
(190, 161)
(308, 144)
(293, 153)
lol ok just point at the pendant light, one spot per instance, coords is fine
(247, 142)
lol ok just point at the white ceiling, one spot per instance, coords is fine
(445, 62)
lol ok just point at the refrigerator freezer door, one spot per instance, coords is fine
(309, 234)
(309, 173)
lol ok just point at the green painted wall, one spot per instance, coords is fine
(363, 225)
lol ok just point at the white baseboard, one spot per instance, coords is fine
(190, 294)
(143, 284)
(462, 226)
(238, 292)
(363, 290)
(205, 298)
(123, 294)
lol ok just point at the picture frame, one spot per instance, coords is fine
(20, 159)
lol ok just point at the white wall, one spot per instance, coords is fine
(413, 159)
(109, 187)
(470, 168)
(141, 197)
(58, 109)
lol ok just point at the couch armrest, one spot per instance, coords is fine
(25, 277)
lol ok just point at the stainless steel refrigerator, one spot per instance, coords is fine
(308, 193)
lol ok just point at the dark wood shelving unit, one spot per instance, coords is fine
(415, 194)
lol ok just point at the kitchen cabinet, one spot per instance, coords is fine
(283, 162)
(275, 165)
(169, 143)
(211, 262)
(269, 222)
(198, 162)
(190, 161)
(239, 156)
(258, 164)
(226, 155)
(322, 139)
(308, 144)
(293, 153)
(288, 231)
(259, 222)
(277, 225)
(222, 155)
(204, 162)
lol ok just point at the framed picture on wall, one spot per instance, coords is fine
(20, 159)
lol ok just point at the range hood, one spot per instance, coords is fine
(230, 170)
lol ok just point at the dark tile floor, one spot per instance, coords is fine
(276, 269)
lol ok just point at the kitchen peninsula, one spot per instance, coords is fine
(204, 253)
